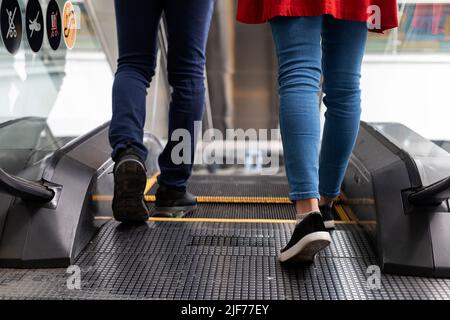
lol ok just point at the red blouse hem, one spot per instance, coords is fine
(294, 11)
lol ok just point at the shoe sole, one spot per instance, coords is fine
(173, 212)
(307, 248)
(128, 204)
(330, 224)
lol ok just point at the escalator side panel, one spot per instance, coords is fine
(440, 237)
(41, 237)
(36, 235)
(5, 203)
(14, 234)
(65, 229)
(95, 146)
(403, 241)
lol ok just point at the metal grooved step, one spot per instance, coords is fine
(170, 260)
(243, 211)
(237, 186)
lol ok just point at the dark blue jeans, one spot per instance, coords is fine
(137, 25)
(307, 48)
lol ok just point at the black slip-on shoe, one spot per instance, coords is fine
(130, 179)
(309, 237)
(173, 202)
(328, 216)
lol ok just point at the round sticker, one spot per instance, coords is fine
(69, 25)
(34, 25)
(11, 25)
(53, 21)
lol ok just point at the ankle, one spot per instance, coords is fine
(306, 206)
(325, 201)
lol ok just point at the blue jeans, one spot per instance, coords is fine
(137, 26)
(307, 48)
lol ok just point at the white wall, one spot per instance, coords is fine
(413, 90)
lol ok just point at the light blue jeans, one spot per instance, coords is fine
(307, 48)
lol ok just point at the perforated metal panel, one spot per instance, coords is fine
(184, 260)
(243, 211)
(239, 186)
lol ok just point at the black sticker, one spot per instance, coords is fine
(34, 25)
(53, 21)
(11, 25)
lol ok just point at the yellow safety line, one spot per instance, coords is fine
(345, 212)
(204, 199)
(341, 212)
(208, 199)
(223, 220)
(151, 182)
(155, 219)
(349, 212)
(228, 199)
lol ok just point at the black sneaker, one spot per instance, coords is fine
(309, 237)
(130, 179)
(328, 216)
(173, 202)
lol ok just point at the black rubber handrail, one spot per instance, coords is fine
(25, 189)
(433, 194)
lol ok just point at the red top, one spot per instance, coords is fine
(259, 11)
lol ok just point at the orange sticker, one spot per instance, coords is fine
(69, 25)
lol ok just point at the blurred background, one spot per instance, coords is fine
(49, 98)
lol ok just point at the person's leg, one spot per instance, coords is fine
(188, 27)
(343, 46)
(297, 42)
(137, 29)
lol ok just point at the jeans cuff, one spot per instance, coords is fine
(303, 195)
(330, 195)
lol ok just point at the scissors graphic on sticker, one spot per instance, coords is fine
(12, 32)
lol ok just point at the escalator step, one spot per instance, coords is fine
(243, 211)
(185, 260)
(236, 186)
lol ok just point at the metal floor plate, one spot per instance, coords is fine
(238, 186)
(242, 211)
(186, 260)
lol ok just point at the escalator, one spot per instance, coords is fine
(55, 212)
(227, 248)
